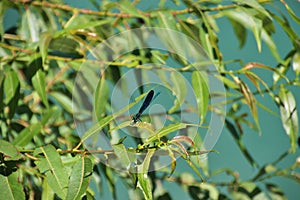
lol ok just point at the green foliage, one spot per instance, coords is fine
(41, 154)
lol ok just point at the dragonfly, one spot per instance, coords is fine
(150, 96)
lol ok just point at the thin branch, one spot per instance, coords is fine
(121, 15)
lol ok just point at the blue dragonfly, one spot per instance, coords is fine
(150, 97)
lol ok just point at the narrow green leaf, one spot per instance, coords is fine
(123, 154)
(30, 24)
(127, 7)
(39, 84)
(63, 100)
(250, 100)
(82, 22)
(44, 42)
(229, 83)
(11, 188)
(284, 23)
(275, 192)
(47, 190)
(101, 96)
(64, 47)
(27, 134)
(165, 131)
(2, 77)
(50, 115)
(50, 164)
(10, 152)
(239, 142)
(291, 12)
(239, 31)
(179, 89)
(173, 162)
(289, 116)
(201, 90)
(249, 21)
(79, 178)
(143, 180)
(170, 38)
(296, 63)
(254, 4)
(271, 44)
(11, 84)
(190, 29)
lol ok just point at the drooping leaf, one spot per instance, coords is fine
(143, 181)
(100, 98)
(179, 91)
(49, 163)
(10, 152)
(284, 23)
(250, 99)
(165, 131)
(173, 161)
(63, 100)
(296, 63)
(127, 7)
(190, 29)
(254, 4)
(240, 31)
(47, 190)
(249, 21)
(39, 84)
(11, 84)
(289, 116)
(239, 142)
(79, 178)
(44, 42)
(126, 157)
(291, 12)
(27, 134)
(11, 188)
(201, 90)
(64, 47)
(275, 191)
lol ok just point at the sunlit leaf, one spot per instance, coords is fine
(166, 130)
(291, 12)
(173, 161)
(254, 4)
(49, 163)
(275, 192)
(250, 22)
(250, 99)
(127, 7)
(143, 181)
(240, 31)
(126, 157)
(11, 85)
(179, 90)
(39, 84)
(63, 100)
(289, 116)
(11, 188)
(27, 134)
(100, 98)
(79, 178)
(44, 42)
(239, 142)
(10, 152)
(201, 90)
(296, 63)
(47, 190)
